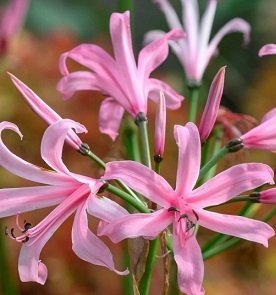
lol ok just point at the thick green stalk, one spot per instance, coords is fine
(194, 97)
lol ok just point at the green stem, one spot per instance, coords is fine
(146, 279)
(194, 92)
(125, 5)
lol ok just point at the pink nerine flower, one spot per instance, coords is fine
(125, 84)
(195, 51)
(184, 206)
(12, 18)
(267, 49)
(268, 196)
(45, 112)
(211, 108)
(69, 191)
(264, 135)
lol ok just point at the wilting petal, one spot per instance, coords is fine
(110, 117)
(190, 265)
(173, 99)
(88, 246)
(142, 179)
(24, 199)
(211, 108)
(137, 225)
(268, 49)
(160, 127)
(187, 139)
(21, 168)
(238, 226)
(230, 183)
(53, 141)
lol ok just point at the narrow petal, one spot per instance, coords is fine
(143, 180)
(137, 225)
(21, 168)
(53, 141)
(238, 226)
(230, 183)
(267, 49)
(18, 200)
(173, 99)
(189, 264)
(188, 141)
(160, 127)
(211, 108)
(110, 117)
(89, 247)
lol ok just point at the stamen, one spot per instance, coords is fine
(196, 215)
(173, 209)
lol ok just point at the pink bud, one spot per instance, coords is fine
(268, 196)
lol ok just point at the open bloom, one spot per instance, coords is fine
(267, 49)
(184, 206)
(125, 84)
(12, 18)
(195, 51)
(70, 193)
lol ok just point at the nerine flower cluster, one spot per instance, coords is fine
(179, 211)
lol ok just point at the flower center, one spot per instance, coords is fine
(23, 238)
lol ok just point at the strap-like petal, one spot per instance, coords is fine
(188, 141)
(238, 226)
(110, 117)
(230, 183)
(137, 225)
(268, 49)
(143, 180)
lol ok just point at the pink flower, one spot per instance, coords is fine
(11, 21)
(267, 49)
(264, 135)
(195, 51)
(59, 187)
(184, 206)
(45, 112)
(125, 84)
(268, 196)
(211, 109)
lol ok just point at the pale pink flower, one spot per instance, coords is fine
(125, 83)
(211, 108)
(267, 49)
(262, 136)
(68, 191)
(44, 111)
(268, 196)
(11, 21)
(195, 51)
(184, 206)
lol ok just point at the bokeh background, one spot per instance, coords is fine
(55, 26)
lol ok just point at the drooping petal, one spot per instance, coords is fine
(188, 141)
(43, 110)
(137, 225)
(21, 168)
(110, 117)
(143, 180)
(173, 99)
(211, 108)
(53, 141)
(267, 49)
(88, 246)
(230, 183)
(18, 200)
(189, 264)
(238, 226)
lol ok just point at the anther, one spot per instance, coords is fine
(173, 209)
(27, 226)
(196, 215)
(84, 149)
(235, 145)
(140, 117)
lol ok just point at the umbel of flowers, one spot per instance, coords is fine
(175, 215)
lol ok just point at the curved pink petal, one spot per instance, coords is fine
(53, 141)
(189, 264)
(89, 247)
(211, 108)
(267, 49)
(110, 117)
(21, 168)
(238, 226)
(188, 141)
(18, 200)
(269, 115)
(160, 127)
(230, 183)
(143, 180)
(173, 99)
(137, 225)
